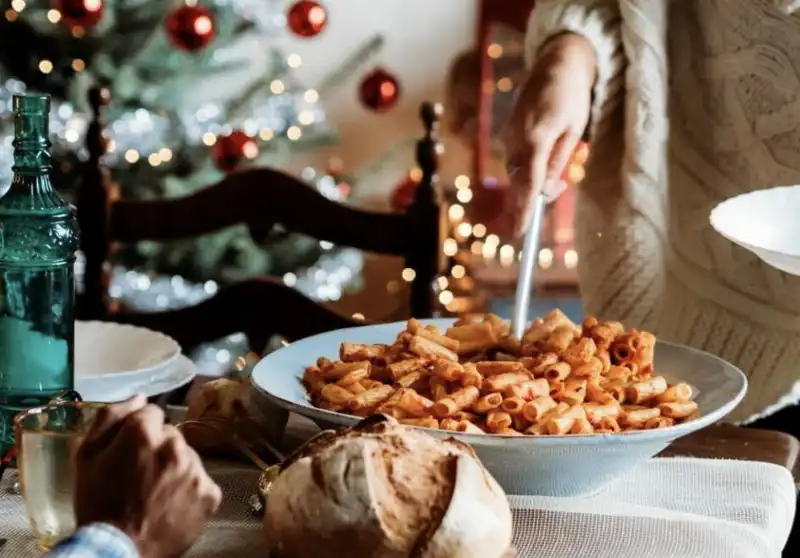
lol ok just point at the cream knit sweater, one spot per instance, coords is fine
(696, 101)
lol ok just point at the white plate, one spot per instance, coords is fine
(107, 349)
(542, 465)
(118, 388)
(764, 222)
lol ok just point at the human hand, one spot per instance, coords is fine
(547, 122)
(137, 473)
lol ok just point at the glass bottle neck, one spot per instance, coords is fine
(31, 133)
(31, 156)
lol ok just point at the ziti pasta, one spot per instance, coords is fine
(560, 378)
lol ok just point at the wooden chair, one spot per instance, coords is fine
(258, 198)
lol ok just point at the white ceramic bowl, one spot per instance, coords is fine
(539, 465)
(764, 222)
(106, 350)
(110, 389)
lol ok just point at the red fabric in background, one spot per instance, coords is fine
(513, 13)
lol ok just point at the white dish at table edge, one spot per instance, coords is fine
(523, 464)
(108, 349)
(113, 389)
(765, 223)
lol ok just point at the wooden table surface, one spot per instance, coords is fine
(733, 442)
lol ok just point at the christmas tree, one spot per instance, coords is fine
(181, 114)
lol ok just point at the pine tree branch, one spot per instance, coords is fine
(236, 106)
(350, 64)
(343, 70)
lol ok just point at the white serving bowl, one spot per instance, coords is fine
(764, 222)
(111, 352)
(529, 465)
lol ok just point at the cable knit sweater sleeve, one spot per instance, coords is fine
(599, 22)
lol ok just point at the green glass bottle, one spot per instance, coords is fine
(38, 241)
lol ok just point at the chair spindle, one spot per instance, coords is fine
(424, 217)
(94, 198)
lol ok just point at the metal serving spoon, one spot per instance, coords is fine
(527, 263)
(527, 267)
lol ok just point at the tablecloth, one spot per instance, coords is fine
(666, 508)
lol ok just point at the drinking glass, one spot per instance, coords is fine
(46, 439)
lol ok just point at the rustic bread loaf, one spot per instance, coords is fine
(233, 407)
(381, 490)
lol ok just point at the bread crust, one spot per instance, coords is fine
(387, 491)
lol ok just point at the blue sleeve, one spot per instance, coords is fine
(95, 541)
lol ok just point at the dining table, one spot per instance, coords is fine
(236, 531)
(765, 491)
(719, 444)
(760, 467)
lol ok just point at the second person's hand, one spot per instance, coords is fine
(548, 120)
(138, 474)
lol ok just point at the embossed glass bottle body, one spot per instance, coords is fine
(38, 241)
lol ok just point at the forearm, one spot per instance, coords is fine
(589, 30)
(98, 540)
(568, 46)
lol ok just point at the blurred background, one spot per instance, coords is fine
(327, 91)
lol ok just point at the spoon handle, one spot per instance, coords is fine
(527, 267)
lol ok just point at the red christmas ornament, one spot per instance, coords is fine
(307, 18)
(231, 150)
(191, 28)
(80, 13)
(379, 90)
(403, 194)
